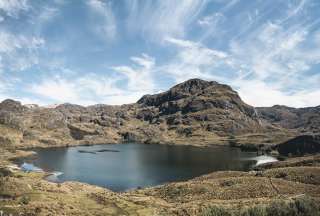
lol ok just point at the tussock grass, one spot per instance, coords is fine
(303, 206)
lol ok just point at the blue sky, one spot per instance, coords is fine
(115, 51)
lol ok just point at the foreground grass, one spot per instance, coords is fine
(303, 206)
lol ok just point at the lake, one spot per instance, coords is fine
(121, 167)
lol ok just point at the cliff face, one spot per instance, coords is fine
(195, 112)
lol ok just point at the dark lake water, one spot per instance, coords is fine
(120, 167)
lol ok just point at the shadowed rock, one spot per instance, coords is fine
(305, 144)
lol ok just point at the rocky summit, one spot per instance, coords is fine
(194, 112)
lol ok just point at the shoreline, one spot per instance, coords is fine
(226, 189)
(30, 153)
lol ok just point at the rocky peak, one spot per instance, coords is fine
(193, 86)
(11, 105)
(189, 88)
(196, 100)
(69, 106)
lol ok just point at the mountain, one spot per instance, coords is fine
(198, 108)
(304, 120)
(194, 112)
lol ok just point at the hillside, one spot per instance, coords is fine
(305, 120)
(194, 112)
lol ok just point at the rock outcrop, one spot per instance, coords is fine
(300, 145)
(201, 105)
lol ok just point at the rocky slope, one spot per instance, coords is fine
(304, 120)
(199, 104)
(195, 112)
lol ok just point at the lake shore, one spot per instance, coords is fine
(125, 166)
(283, 180)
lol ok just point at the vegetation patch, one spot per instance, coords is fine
(303, 206)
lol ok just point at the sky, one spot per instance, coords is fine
(115, 51)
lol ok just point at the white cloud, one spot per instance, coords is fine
(46, 14)
(294, 9)
(10, 43)
(269, 66)
(13, 7)
(274, 53)
(165, 18)
(1, 65)
(196, 53)
(87, 90)
(139, 76)
(57, 89)
(193, 60)
(107, 28)
(211, 20)
(260, 94)
(7, 84)
(276, 62)
(145, 61)
(19, 52)
(93, 89)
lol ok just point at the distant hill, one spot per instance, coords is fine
(304, 120)
(194, 112)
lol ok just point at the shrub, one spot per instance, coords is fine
(227, 183)
(306, 206)
(254, 211)
(2, 183)
(281, 208)
(216, 211)
(25, 200)
(5, 172)
(249, 147)
(233, 142)
(303, 206)
(281, 175)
